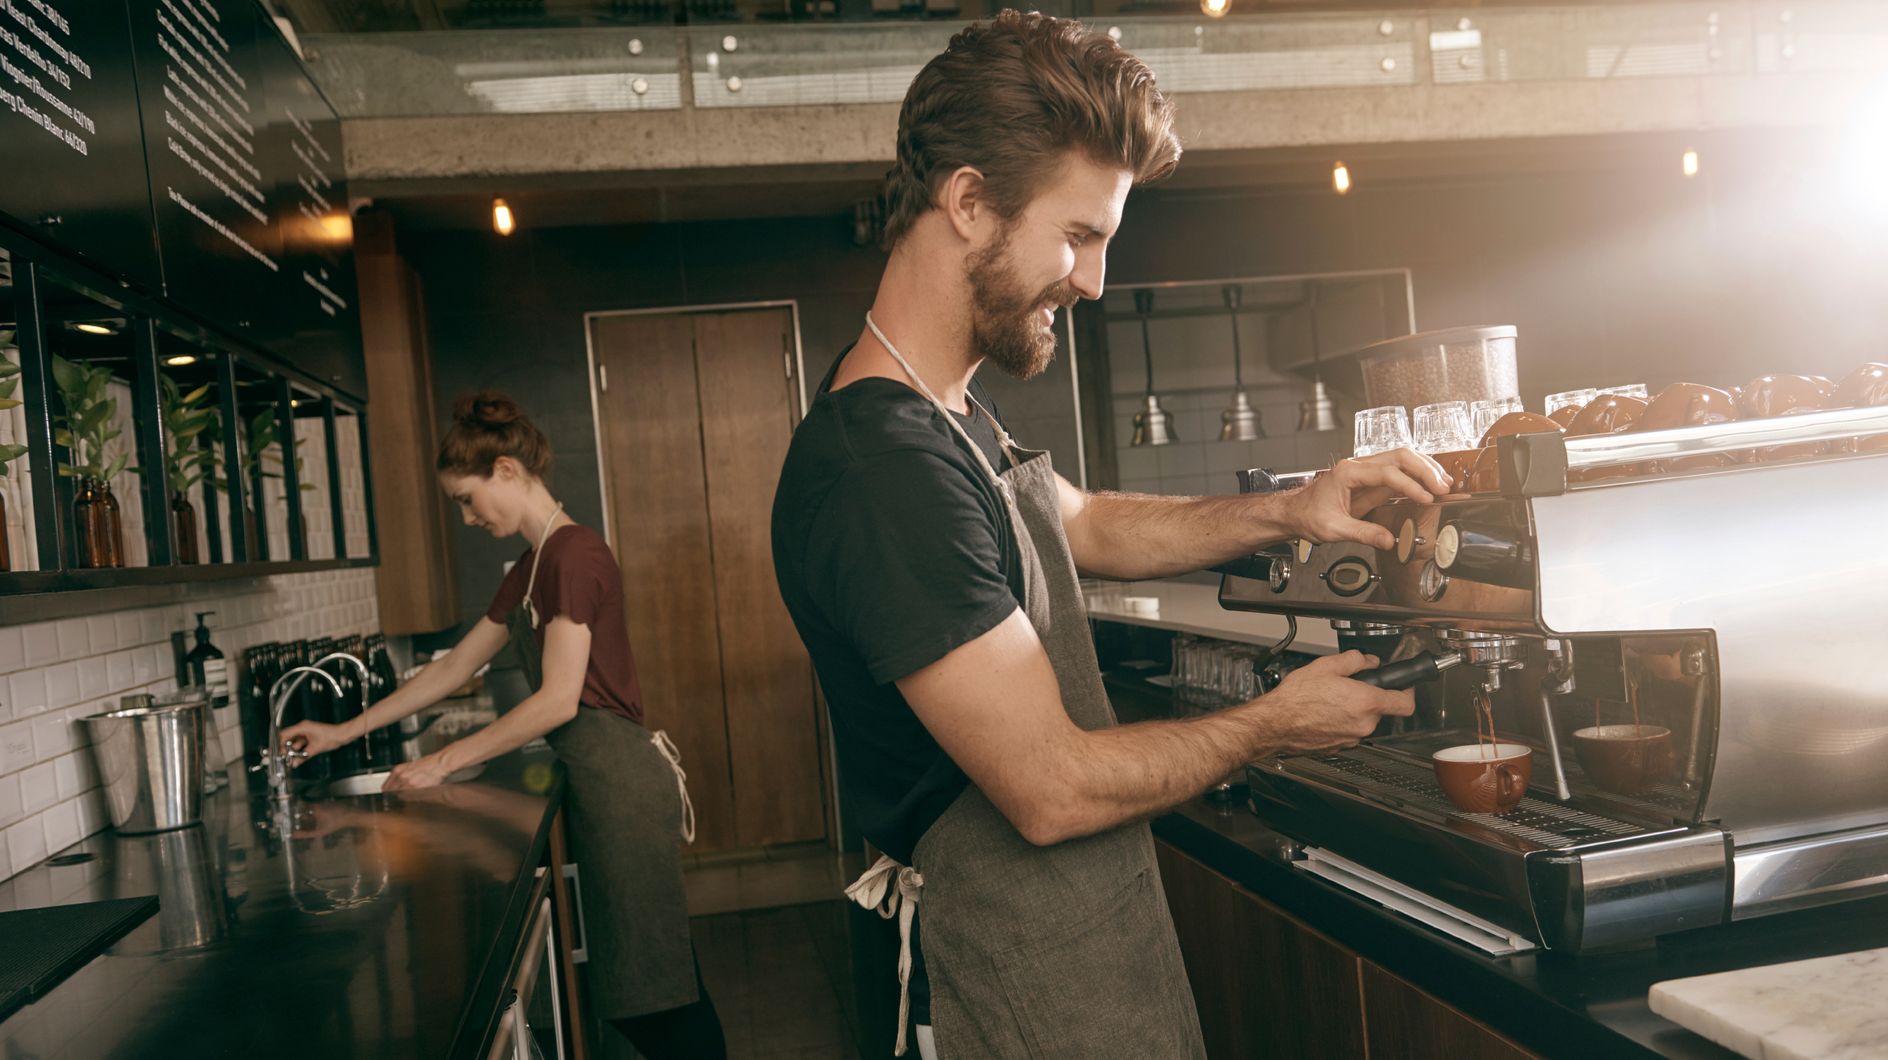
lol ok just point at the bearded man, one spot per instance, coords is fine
(930, 563)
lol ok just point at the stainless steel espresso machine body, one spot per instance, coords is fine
(1737, 607)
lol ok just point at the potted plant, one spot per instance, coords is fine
(187, 460)
(87, 431)
(9, 451)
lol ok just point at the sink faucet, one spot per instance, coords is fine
(274, 758)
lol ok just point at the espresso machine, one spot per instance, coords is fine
(1611, 581)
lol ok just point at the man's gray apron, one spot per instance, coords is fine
(625, 803)
(1053, 951)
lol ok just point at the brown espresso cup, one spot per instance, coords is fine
(1484, 778)
(1626, 759)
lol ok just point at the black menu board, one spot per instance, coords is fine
(206, 128)
(317, 326)
(72, 164)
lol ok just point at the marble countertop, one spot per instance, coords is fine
(380, 926)
(1825, 1008)
(1189, 608)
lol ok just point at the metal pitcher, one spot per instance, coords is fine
(151, 761)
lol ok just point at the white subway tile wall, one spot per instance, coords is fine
(54, 673)
(311, 448)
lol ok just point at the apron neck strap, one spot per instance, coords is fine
(918, 383)
(537, 553)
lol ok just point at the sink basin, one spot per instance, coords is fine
(370, 783)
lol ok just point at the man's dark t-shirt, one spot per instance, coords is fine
(892, 548)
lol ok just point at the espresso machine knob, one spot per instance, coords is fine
(1482, 556)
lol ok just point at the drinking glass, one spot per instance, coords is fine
(1579, 399)
(1485, 413)
(1443, 427)
(1634, 390)
(1381, 429)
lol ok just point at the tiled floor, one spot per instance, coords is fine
(781, 981)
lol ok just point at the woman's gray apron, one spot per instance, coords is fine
(623, 810)
(1054, 951)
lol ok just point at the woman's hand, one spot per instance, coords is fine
(1329, 508)
(311, 738)
(424, 773)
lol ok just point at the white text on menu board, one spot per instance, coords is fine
(206, 116)
(314, 205)
(37, 68)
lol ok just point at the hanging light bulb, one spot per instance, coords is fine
(1240, 422)
(1689, 163)
(1215, 8)
(180, 360)
(1340, 179)
(1152, 425)
(1317, 412)
(502, 221)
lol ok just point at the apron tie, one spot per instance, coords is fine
(893, 890)
(669, 751)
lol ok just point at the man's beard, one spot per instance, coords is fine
(1003, 326)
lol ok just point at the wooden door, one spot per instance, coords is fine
(748, 410)
(1406, 1023)
(695, 420)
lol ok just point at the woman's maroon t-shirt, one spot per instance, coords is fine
(578, 579)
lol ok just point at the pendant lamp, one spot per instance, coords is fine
(1317, 412)
(1152, 425)
(1240, 422)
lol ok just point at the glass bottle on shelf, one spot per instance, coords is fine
(85, 518)
(112, 544)
(183, 524)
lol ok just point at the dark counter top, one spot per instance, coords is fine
(1555, 1004)
(384, 928)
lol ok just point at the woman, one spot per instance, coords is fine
(562, 606)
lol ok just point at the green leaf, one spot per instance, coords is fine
(117, 465)
(68, 471)
(10, 451)
(195, 396)
(188, 431)
(8, 368)
(68, 377)
(10, 403)
(63, 437)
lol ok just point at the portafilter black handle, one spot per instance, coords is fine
(1424, 666)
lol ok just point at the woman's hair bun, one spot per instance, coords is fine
(485, 410)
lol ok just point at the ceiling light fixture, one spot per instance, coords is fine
(1240, 422)
(180, 360)
(1152, 425)
(1689, 163)
(1215, 8)
(1317, 412)
(1340, 179)
(502, 221)
(91, 328)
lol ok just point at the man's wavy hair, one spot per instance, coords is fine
(1010, 97)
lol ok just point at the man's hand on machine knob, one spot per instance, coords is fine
(1318, 707)
(1329, 508)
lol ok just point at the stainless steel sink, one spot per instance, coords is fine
(357, 784)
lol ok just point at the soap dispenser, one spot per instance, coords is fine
(208, 670)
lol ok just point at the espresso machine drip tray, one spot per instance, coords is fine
(1392, 781)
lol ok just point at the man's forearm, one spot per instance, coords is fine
(1126, 773)
(1131, 536)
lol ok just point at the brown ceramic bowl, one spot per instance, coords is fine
(1565, 414)
(1626, 759)
(1687, 405)
(1864, 387)
(1484, 778)
(1606, 414)
(1517, 423)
